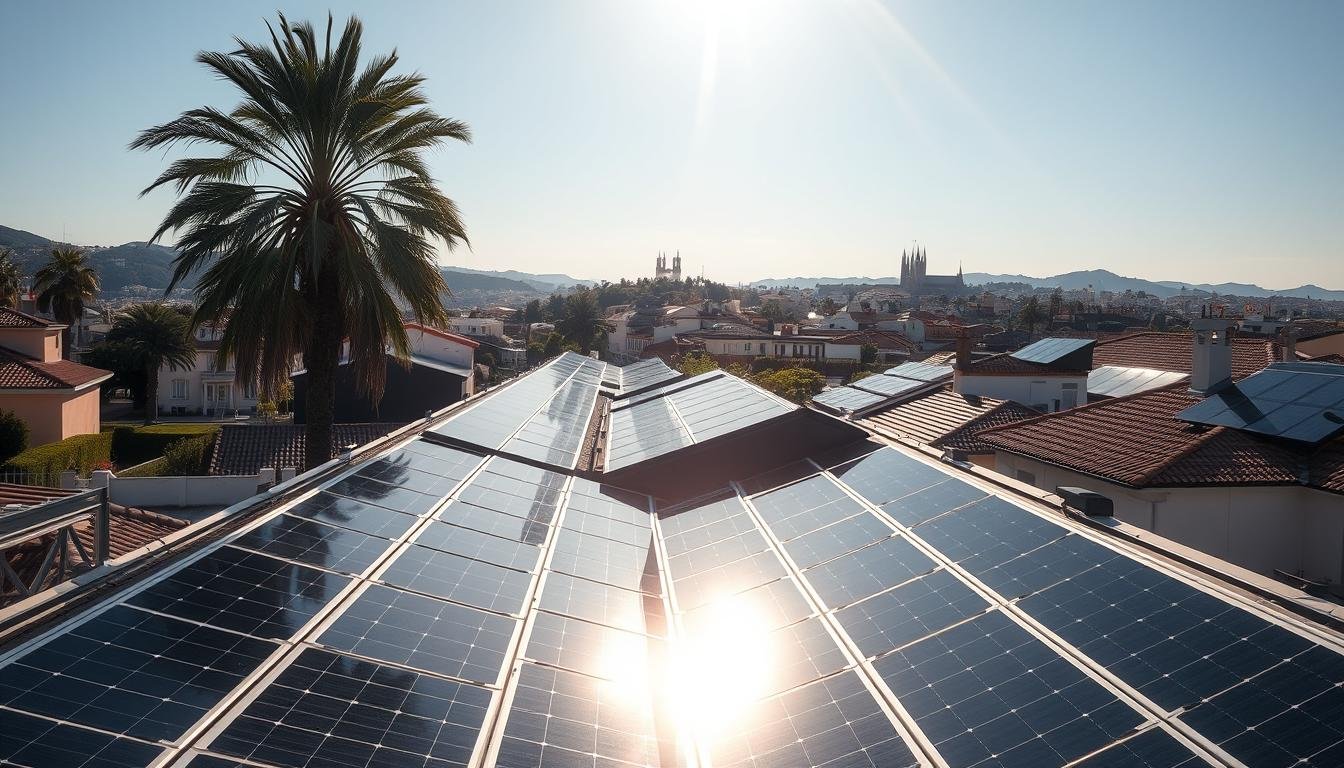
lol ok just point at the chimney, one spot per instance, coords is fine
(1289, 346)
(1211, 363)
(963, 350)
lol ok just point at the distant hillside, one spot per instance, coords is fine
(17, 238)
(1099, 279)
(459, 282)
(118, 267)
(544, 283)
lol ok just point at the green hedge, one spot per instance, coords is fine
(188, 457)
(153, 468)
(136, 445)
(45, 463)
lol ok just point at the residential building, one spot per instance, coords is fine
(56, 398)
(941, 418)
(1050, 375)
(210, 387)
(477, 326)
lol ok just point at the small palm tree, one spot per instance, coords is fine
(582, 322)
(63, 286)
(318, 217)
(10, 276)
(157, 335)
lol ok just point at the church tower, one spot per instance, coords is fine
(676, 267)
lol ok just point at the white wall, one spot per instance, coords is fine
(196, 378)
(1043, 392)
(476, 326)
(436, 347)
(1291, 528)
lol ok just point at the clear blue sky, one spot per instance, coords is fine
(1199, 141)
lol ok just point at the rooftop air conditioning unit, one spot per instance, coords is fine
(1090, 503)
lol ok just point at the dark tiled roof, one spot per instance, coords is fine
(18, 371)
(13, 493)
(1137, 441)
(12, 318)
(1174, 352)
(879, 339)
(244, 450)
(1001, 365)
(943, 418)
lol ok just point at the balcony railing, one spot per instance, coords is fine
(50, 529)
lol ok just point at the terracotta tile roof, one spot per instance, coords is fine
(1174, 351)
(19, 371)
(244, 450)
(943, 418)
(879, 339)
(940, 358)
(13, 493)
(128, 529)
(1137, 441)
(12, 318)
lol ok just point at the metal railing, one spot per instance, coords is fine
(52, 525)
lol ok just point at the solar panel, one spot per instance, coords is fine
(313, 543)
(477, 545)
(887, 475)
(829, 722)
(400, 627)
(836, 539)
(846, 399)
(371, 491)
(769, 606)
(887, 386)
(1047, 351)
(701, 526)
(737, 576)
(610, 562)
(909, 612)
(987, 533)
(244, 592)
(353, 515)
(987, 690)
(927, 372)
(452, 577)
(1152, 748)
(870, 570)
(1119, 381)
(593, 649)
(32, 742)
(331, 709)
(645, 373)
(1303, 402)
(563, 718)
(132, 672)
(601, 603)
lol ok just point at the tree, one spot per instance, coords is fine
(796, 384)
(696, 362)
(536, 352)
(582, 323)
(828, 306)
(1030, 315)
(555, 308)
(10, 276)
(63, 285)
(156, 336)
(1056, 303)
(318, 217)
(13, 435)
(532, 312)
(128, 371)
(867, 354)
(555, 344)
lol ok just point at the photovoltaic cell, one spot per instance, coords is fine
(887, 475)
(800, 653)
(836, 539)
(834, 721)
(1119, 381)
(988, 533)
(846, 398)
(604, 500)
(1047, 351)
(597, 525)
(717, 554)
(1152, 748)
(245, 592)
(525, 530)
(920, 371)
(1294, 401)
(327, 709)
(131, 672)
(607, 561)
(645, 373)
(870, 570)
(987, 692)
(354, 515)
(925, 504)
(456, 578)
(308, 541)
(563, 718)
(433, 635)
(734, 523)
(601, 603)
(1061, 559)
(32, 742)
(737, 576)
(683, 518)
(593, 649)
(909, 612)
(372, 491)
(767, 607)
(479, 546)
(887, 386)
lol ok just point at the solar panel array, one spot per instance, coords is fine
(1047, 351)
(440, 608)
(683, 414)
(889, 386)
(1118, 380)
(645, 373)
(1303, 402)
(542, 416)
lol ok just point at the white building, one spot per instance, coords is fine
(206, 389)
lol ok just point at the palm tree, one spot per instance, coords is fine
(582, 322)
(156, 335)
(10, 276)
(63, 285)
(318, 216)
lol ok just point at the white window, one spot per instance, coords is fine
(179, 389)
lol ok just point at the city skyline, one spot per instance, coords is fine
(773, 139)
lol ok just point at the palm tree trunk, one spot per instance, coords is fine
(151, 393)
(321, 360)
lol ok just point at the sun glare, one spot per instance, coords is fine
(720, 669)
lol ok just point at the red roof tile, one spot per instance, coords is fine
(943, 418)
(19, 371)
(1174, 352)
(1138, 441)
(12, 318)
(244, 450)
(879, 339)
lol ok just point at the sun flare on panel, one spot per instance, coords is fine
(718, 671)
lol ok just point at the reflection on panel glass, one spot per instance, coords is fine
(1153, 748)
(433, 635)
(308, 541)
(331, 709)
(563, 718)
(909, 612)
(834, 721)
(478, 545)
(601, 603)
(593, 649)
(354, 515)
(245, 592)
(459, 579)
(32, 742)
(870, 570)
(130, 672)
(528, 530)
(607, 561)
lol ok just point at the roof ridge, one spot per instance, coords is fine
(1088, 407)
(1199, 442)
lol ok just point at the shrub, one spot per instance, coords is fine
(45, 463)
(13, 435)
(136, 445)
(796, 384)
(861, 375)
(153, 468)
(188, 457)
(697, 362)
